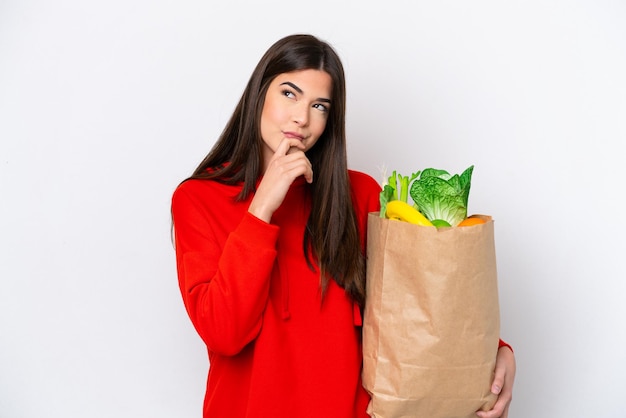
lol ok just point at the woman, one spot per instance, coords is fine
(269, 235)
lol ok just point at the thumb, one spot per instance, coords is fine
(498, 381)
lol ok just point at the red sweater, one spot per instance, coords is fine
(276, 349)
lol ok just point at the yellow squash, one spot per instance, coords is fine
(398, 209)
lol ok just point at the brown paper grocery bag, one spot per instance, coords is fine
(432, 320)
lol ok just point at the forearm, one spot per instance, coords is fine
(223, 275)
(226, 308)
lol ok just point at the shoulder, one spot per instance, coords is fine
(197, 185)
(201, 192)
(365, 191)
(363, 182)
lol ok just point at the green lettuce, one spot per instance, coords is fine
(440, 195)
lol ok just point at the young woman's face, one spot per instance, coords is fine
(296, 105)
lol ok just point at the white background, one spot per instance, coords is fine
(106, 105)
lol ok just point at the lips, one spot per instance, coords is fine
(294, 135)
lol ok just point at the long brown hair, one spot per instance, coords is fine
(331, 233)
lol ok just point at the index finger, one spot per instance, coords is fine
(287, 144)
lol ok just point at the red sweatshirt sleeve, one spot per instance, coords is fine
(504, 344)
(224, 284)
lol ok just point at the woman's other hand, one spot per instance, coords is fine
(502, 384)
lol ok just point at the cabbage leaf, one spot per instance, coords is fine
(440, 195)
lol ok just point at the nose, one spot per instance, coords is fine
(301, 114)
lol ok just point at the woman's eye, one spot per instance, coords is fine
(288, 93)
(321, 107)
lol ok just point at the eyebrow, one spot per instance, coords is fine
(299, 90)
